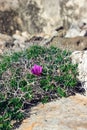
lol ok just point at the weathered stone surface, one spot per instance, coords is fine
(64, 114)
(9, 22)
(20, 40)
(8, 4)
(21, 36)
(36, 16)
(77, 43)
(76, 30)
(73, 11)
(9, 19)
(5, 42)
(80, 57)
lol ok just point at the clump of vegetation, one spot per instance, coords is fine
(19, 87)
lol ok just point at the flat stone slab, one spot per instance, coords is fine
(64, 114)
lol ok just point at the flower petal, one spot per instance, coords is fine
(37, 70)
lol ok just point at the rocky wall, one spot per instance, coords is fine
(37, 16)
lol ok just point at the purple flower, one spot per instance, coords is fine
(36, 70)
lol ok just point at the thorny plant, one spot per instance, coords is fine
(19, 88)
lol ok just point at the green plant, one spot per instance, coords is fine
(19, 87)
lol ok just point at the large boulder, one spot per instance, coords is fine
(80, 57)
(36, 16)
(64, 114)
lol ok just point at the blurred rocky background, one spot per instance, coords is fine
(37, 16)
(23, 20)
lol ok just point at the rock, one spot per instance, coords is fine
(73, 12)
(83, 33)
(9, 22)
(72, 33)
(20, 39)
(21, 36)
(1, 52)
(80, 57)
(35, 16)
(64, 114)
(32, 16)
(8, 5)
(26, 35)
(76, 30)
(72, 44)
(5, 41)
